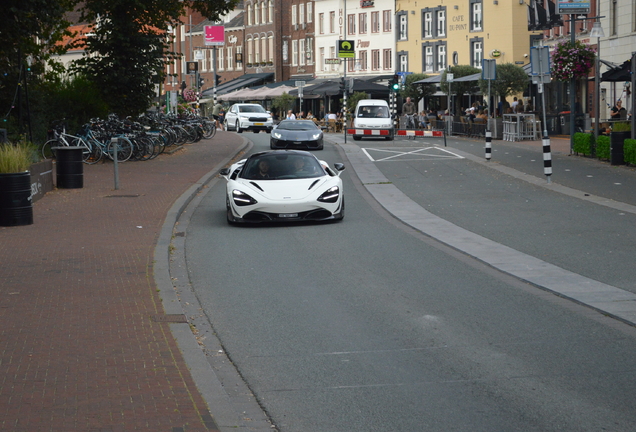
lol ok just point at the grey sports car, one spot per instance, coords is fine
(296, 134)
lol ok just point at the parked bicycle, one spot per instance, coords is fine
(61, 139)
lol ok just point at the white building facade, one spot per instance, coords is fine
(369, 24)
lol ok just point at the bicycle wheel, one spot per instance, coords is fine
(47, 149)
(124, 149)
(209, 129)
(95, 155)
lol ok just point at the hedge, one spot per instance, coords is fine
(629, 150)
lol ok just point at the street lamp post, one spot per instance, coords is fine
(597, 32)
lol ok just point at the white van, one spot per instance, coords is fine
(373, 114)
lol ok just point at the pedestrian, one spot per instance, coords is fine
(216, 115)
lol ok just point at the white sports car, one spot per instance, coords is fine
(283, 186)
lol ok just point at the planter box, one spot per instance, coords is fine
(41, 179)
(616, 147)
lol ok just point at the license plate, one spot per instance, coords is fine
(258, 124)
(288, 215)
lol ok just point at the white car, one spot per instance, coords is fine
(283, 186)
(246, 116)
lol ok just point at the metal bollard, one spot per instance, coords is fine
(547, 158)
(488, 144)
(114, 142)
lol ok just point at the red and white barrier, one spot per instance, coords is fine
(370, 132)
(422, 133)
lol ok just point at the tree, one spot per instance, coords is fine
(30, 30)
(511, 79)
(283, 103)
(417, 91)
(128, 50)
(462, 87)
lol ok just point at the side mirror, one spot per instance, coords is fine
(339, 166)
(224, 171)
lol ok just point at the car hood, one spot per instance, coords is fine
(282, 190)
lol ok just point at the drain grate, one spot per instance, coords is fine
(170, 318)
(121, 196)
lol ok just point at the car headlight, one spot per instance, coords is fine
(242, 199)
(316, 136)
(277, 135)
(330, 196)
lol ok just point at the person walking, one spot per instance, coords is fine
(216, 115)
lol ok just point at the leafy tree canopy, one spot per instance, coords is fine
(129, 48)
(417, 91)
(460, 88)
(29, 30)
(283, 103)
(511, 79)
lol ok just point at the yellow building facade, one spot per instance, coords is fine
(434, 34)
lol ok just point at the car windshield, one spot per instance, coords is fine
(297, 125)
(372, 111)
(281, 167)
(251, 109)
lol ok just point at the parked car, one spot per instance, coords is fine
(296, 134)
(245, 116)
(283, 186)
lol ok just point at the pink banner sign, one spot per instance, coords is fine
(214, 35)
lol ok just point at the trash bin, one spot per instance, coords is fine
(15, 199)
(617, 140)
(69, 167)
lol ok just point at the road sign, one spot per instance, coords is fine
(192, 67)
(573, 7)
(488, 69)
(540, 61)
(300, 83)
(346, 49)
(214, 35)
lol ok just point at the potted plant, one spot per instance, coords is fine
(620, 132)
(15, 184)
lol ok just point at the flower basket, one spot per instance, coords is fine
(572, 60)
(190, 95)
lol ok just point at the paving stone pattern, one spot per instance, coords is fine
(79, 350)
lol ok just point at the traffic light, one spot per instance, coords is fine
(201, 82)
(342, 85)
(218, 80)
(395, 83)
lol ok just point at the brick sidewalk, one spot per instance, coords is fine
(78, 348)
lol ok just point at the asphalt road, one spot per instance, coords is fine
(370, 325)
